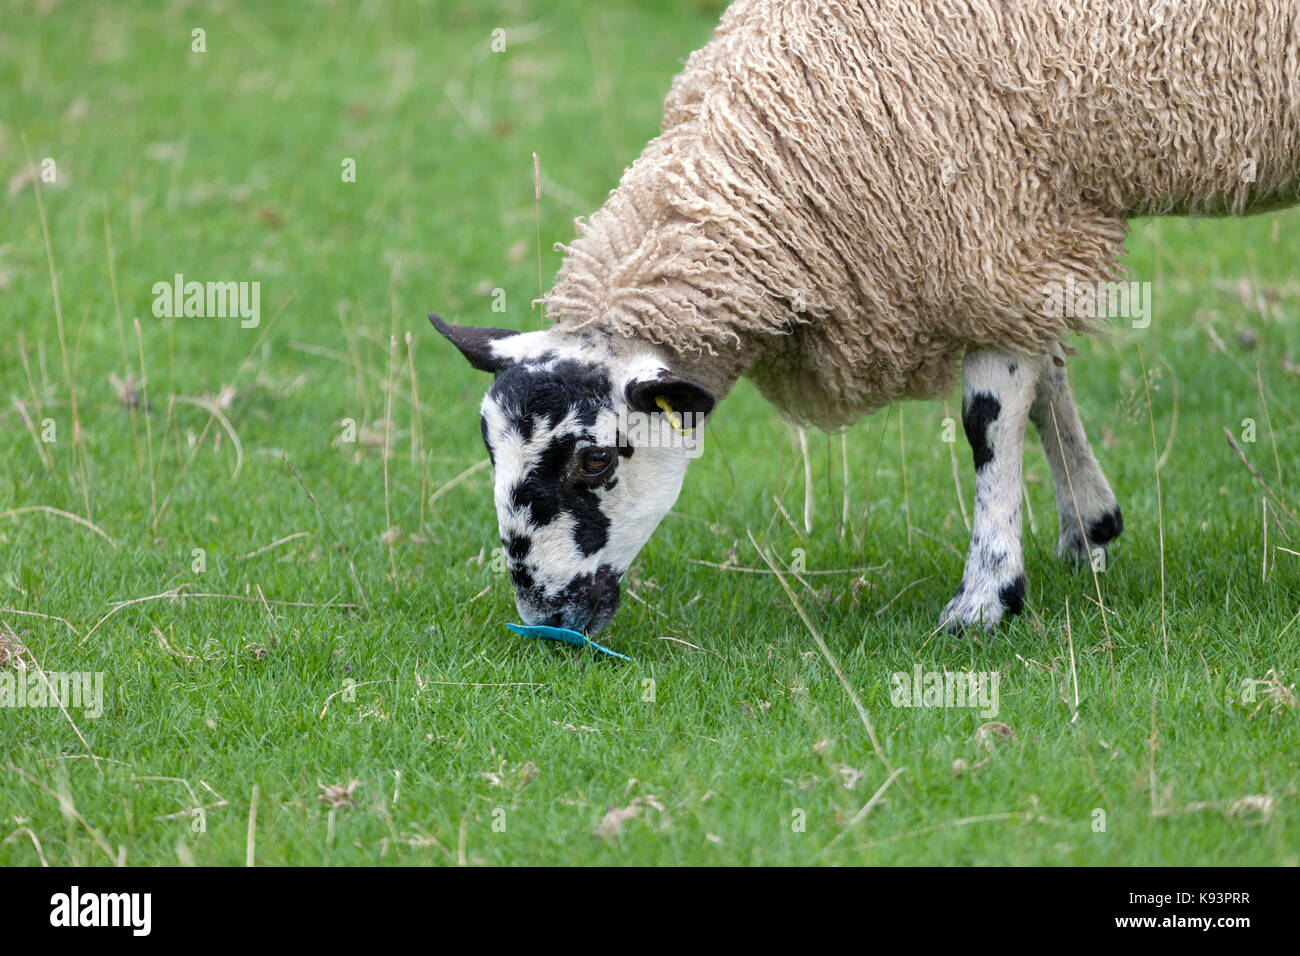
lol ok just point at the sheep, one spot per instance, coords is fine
(846, 203)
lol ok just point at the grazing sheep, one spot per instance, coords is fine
(847, 201)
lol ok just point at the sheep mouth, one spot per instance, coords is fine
(587, 604)
(605, 611)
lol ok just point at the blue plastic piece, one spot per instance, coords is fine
(576, 638)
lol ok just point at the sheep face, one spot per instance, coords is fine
(586, 461)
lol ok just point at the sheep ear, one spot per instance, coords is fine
(692, 401)
(475, 343)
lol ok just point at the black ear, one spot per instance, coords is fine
(475, 343)
(683, 397)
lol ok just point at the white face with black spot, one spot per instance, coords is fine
(585, 463)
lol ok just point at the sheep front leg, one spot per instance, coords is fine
(997, 392)
(1090, 516)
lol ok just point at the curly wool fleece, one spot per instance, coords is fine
(846, 197)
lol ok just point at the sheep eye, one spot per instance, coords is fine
(595, 462)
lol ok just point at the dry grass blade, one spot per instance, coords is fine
(1258, 477)
(867, 808)
(1096, 580)
(40, 853)
(463, 476)
(59, 513)
(352, 687)
(179, 592)
(902, 591)
(325, 521)
(537, 218)
(70, 811)
(1027, 817)
(956, 473)
(387, 538)
(250, 847)
(47, 617)
(41, 450)
(229, 388)
(212, 409)
(417, 439)
(275, 544)
(826, 652)
(1074, 669)
(169, 593)
(78, 449)
(736, 568)
(678, 640)
(54, 695)
(902, 467)
(807, 480)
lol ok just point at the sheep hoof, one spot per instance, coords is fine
(1077, 551)
(1072, 549)
(983, 606)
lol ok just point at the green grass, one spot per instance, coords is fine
(226, 165)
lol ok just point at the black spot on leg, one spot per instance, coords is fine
(1011, 368)
(1012, 596)
(977, 415)
(1106, 528)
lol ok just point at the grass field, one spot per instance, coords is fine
(385, 715)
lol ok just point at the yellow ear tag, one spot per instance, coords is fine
(672, 416)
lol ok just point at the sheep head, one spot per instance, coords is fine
(590, 436)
